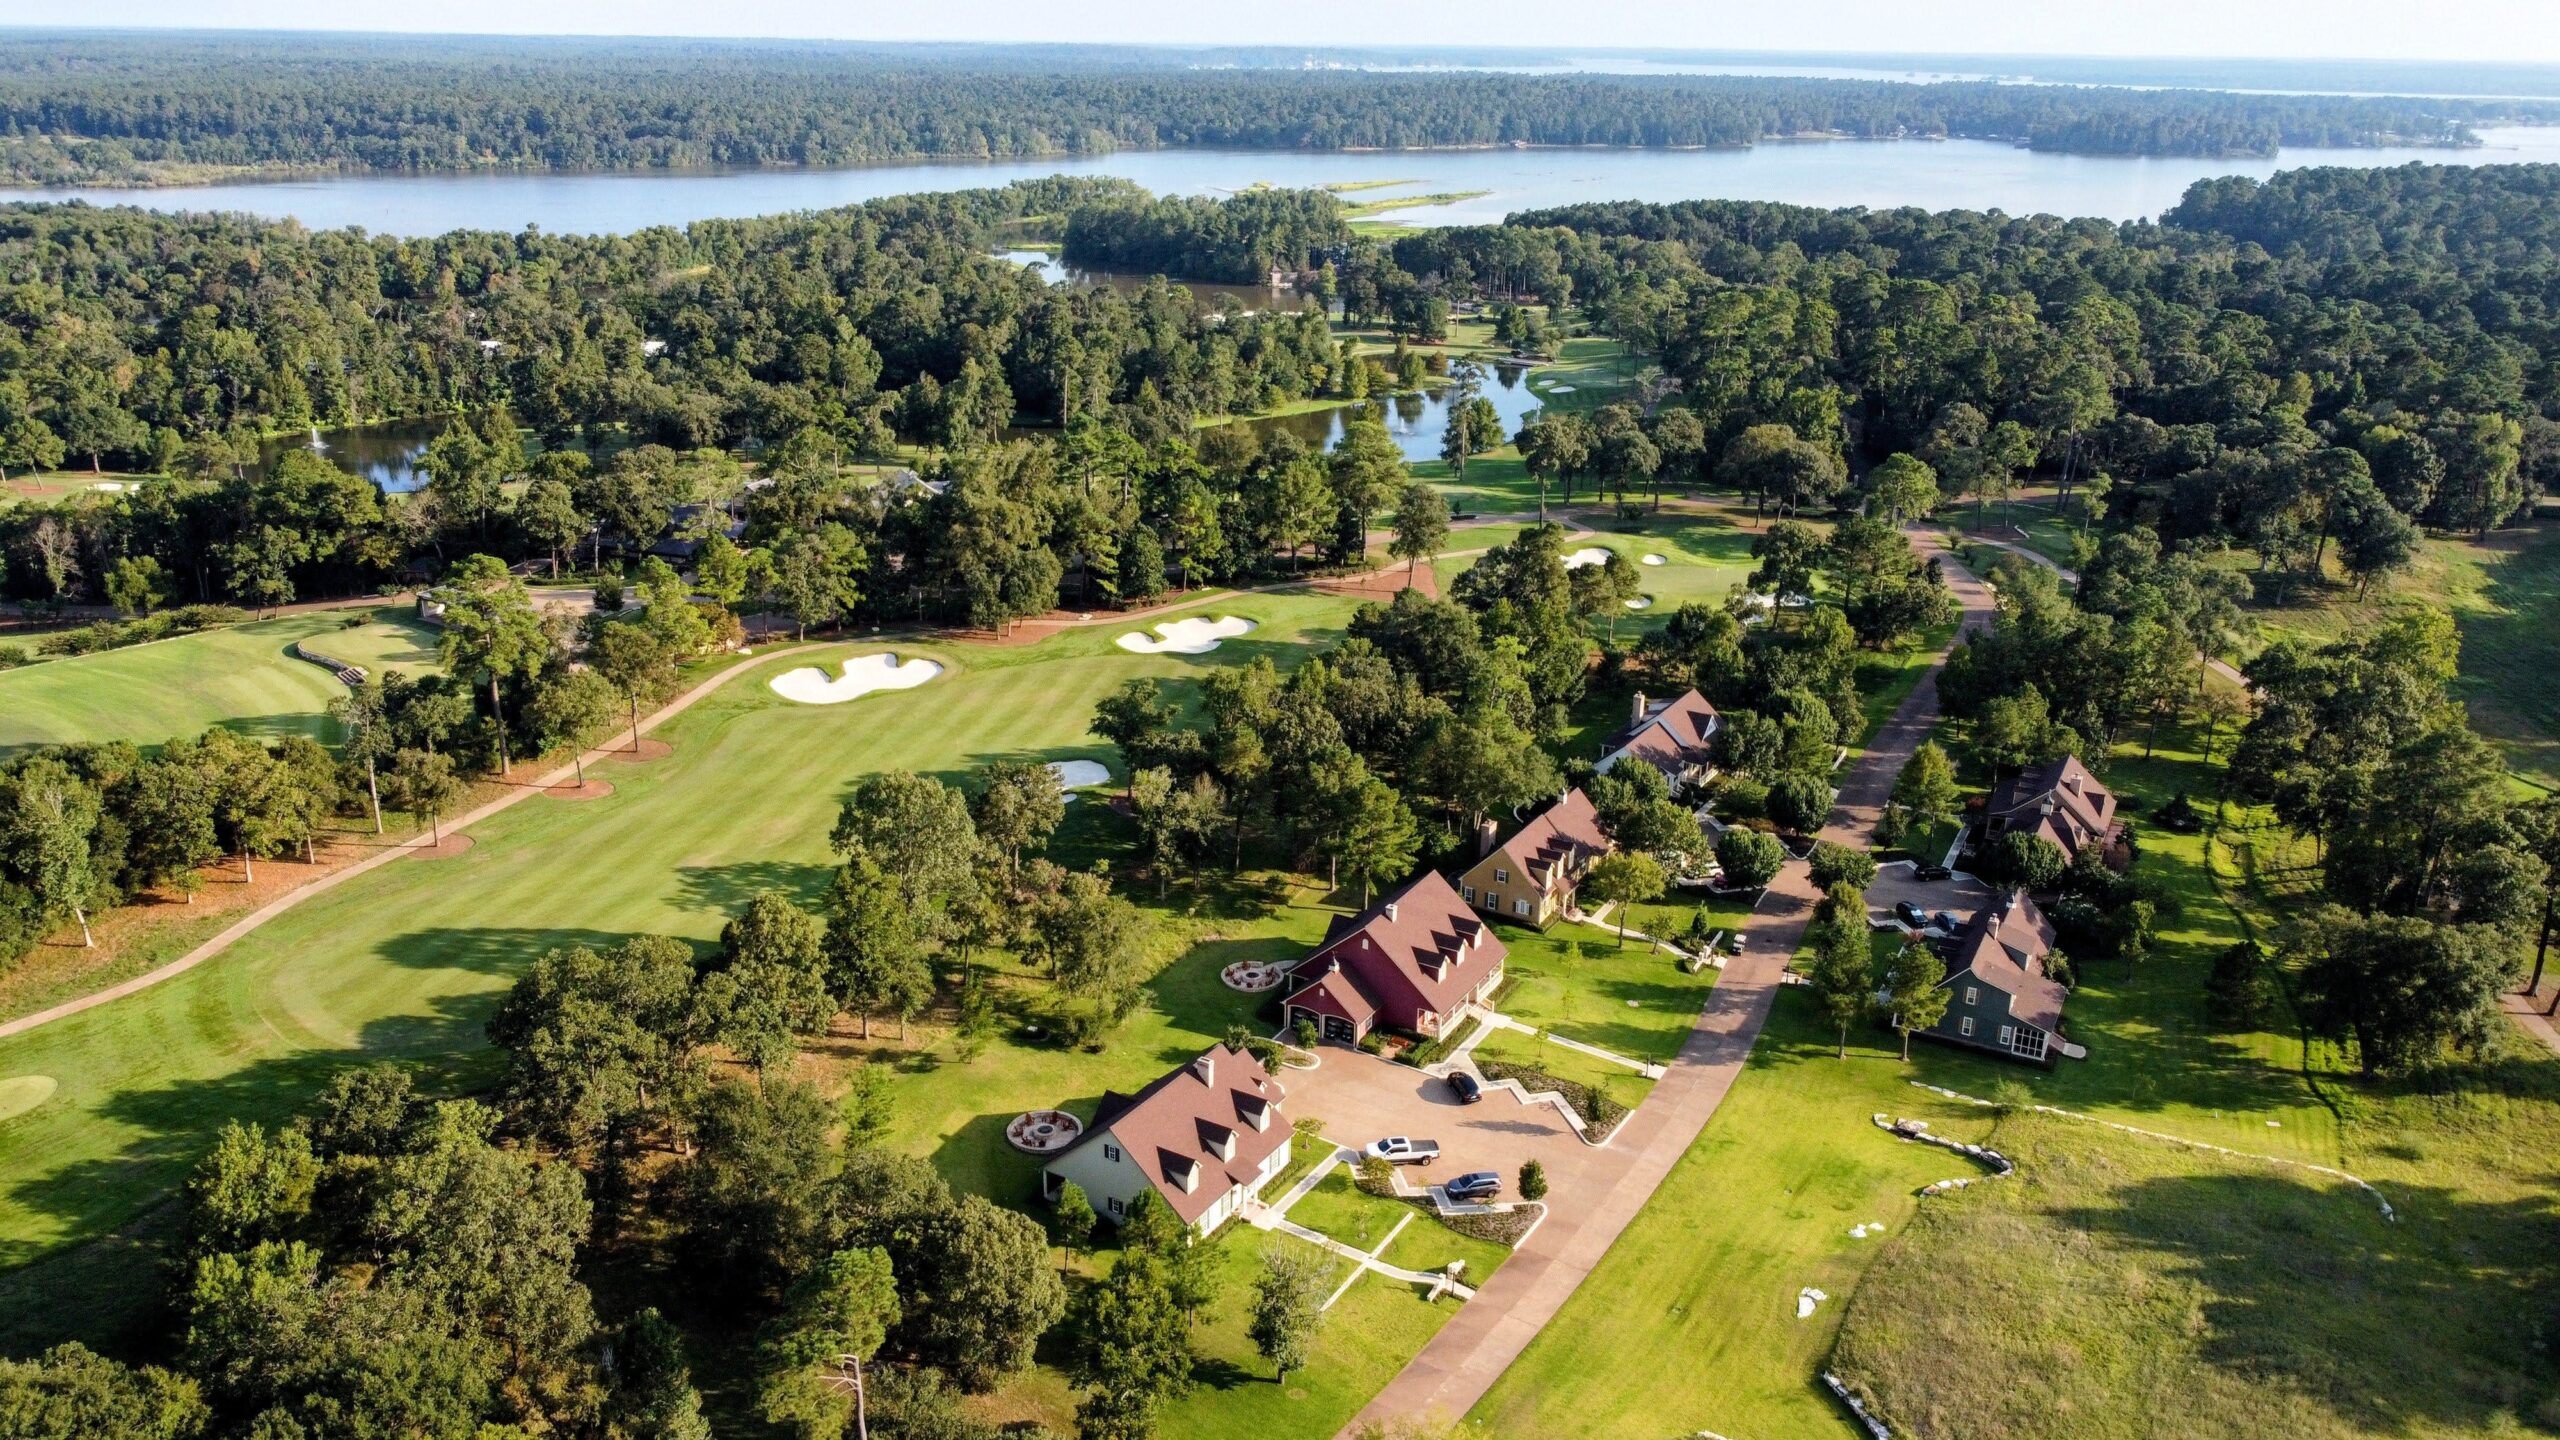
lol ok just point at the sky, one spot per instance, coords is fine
(2503, 30)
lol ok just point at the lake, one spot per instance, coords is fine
(1936, 174)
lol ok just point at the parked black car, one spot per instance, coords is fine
(1910, 914)
(1946, 920)
(1465, 1087)
(1475, 1185)
(1930, 872)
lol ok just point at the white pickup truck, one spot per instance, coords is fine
(1402, 1150)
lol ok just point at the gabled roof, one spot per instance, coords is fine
(1421, 948)
(1668, 733)
(2004, 946)
(2059, 800)
(1567, 831)
(1176, 1125)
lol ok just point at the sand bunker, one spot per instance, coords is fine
(22, 1093)
(1655, 560)
(1077, 774)
(863, 674)
(1559, 389)
(1587, 555)
(1641, 602)
(1187, 637)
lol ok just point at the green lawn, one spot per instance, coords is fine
(1575, 981)
(244, 677)
(1616, 1082)
(405, 963)
(1343, 1211)
(1688, 1323)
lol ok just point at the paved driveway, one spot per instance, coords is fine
(1958, 892)
(1361, 1098)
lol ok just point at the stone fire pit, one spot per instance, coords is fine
(1251, 978)
(1043, 1132)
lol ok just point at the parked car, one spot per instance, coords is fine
(1465, 1087)
(1475, 1185)
(1946, 920)
(1930, 872)
(1403, 1150)
(1911, 914)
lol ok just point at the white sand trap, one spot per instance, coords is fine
(1076, 774)
(1559, 389)
(1655, 560)
(1641, 602)
(1587, 555)
(863, 674)
(22, 1093)
(1187, 637)
(110, 486)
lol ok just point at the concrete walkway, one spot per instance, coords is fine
(232, 933)
(1462, 1362)
(1504, 1022)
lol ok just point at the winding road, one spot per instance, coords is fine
(1462, 1362)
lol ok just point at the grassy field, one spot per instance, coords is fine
(406, 962)
(244, 677)
(1574, 981)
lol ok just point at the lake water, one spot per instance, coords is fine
(1936, 174)
(385, 453)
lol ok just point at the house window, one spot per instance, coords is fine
(1111, 1152)
(1115, 1205)
(1973, 994)
(1965, 1026)
(1519, 907)
(1501, 876)
(1471, 894)
(2008, 1034)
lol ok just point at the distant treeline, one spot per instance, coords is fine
(131, 108)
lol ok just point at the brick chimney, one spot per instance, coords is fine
(1487, 835)
(1636, 716)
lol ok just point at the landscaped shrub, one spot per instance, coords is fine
(1533, 1180)
(1375, 1175)
(1432, 1052)
(12, 656)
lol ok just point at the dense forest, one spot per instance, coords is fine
(131, 109)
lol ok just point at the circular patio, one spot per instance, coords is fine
(1252, 978)
(1043, 1132)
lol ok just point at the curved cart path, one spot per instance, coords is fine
(230, 934)
(1462, 1362)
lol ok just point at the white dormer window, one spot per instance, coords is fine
(1972, 995)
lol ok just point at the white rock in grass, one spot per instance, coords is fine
(1187, 637)
(1806, 1299)
(863, 674)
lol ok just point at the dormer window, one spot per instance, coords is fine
(1501, 876)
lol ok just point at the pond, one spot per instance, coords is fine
(1937, 174)
(1417, 421)
(385, 453)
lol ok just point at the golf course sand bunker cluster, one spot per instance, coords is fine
(863, 674)
(1187, 637)
(1074, 775)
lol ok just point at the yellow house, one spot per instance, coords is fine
(1530, 879)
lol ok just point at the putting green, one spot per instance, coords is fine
(406, 962)
(22, 1093)
(244, 677)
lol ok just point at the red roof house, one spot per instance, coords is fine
(1412, 962)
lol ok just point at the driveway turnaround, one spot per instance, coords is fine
(1361, 1098)
(1489, 1332)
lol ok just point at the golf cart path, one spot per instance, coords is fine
(231, 934)
(1470, 1353)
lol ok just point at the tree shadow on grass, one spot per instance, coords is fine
(725, 889)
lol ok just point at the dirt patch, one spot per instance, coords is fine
(572, 790)
(649, 750)
(1379, 584)
(453, 844)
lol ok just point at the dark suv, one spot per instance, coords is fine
(1476, 1185)
(1464, 1086)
